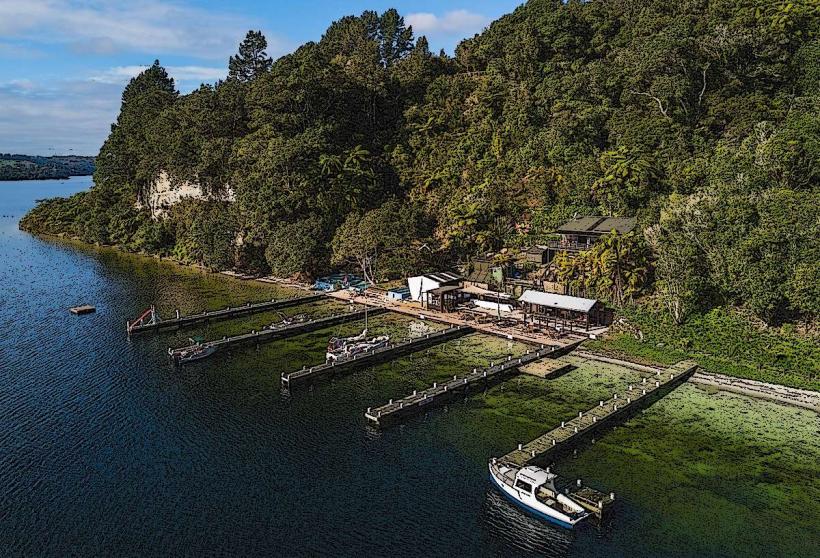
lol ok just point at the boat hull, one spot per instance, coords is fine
(543, 512)
(193, 358)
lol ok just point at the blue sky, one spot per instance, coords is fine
(63, 63)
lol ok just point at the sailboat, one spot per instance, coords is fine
(343, 348)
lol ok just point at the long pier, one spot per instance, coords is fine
(273, 334)
(222, 314)
(391, 351)
(459, 386)
(561, 438)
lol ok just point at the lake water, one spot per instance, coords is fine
(106, 450)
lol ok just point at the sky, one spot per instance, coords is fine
(64, 63)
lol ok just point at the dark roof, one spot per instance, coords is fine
(446, 289)
(537, 249)
(480, 276)
(598, 225)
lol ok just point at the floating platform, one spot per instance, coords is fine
(546, 368)
(368, 358)
(459, 386)
(570, 431)
(223, 314)
(81, 310)
(273, 334)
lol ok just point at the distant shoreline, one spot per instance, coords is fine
(49, 178)
(37, 167)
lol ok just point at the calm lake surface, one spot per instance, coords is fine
(106, 450)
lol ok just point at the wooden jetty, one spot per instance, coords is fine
(459, 386)
(149, 321)
(570, 431)
(81, 310)
(368, 358)
(273, 334)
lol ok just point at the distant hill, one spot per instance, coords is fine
(34, 167)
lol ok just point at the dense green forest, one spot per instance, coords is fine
(365, 149)
(34, 167)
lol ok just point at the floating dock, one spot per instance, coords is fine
(82, 310)
(273, 334)
(154, 324)
(368, 358)
(457, 387)
(563, 437)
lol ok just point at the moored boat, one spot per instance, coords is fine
(348, 347)
(533, 489)
(286, 321)
(195, 352)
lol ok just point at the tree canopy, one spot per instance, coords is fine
(702, 119)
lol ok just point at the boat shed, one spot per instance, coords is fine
(422, 283)
(399, 293)
(563, 311)
(444, 299)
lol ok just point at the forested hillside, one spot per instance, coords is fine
(33, 167)
(701, 118)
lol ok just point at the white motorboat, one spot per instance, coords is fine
(533, 489)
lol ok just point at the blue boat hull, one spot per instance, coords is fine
(534, 513)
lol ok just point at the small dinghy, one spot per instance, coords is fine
(286, 321)
(533, 489)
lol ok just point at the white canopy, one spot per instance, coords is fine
(561, 302)
(494, 306)
(423, 283)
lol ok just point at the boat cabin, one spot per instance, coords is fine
(535, 480)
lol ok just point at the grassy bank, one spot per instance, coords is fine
(721, 341)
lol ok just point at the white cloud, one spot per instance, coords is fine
(186, 75)
(150, 26)
(72, 115)
(457, 22)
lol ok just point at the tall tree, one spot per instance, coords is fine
(252, 60)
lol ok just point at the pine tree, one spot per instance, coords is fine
(252, 60)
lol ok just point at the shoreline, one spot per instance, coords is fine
(756, 389)
(40, 178)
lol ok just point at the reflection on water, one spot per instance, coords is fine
(506, 522)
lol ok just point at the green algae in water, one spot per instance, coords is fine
(697, 473)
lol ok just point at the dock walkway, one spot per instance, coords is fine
(273, 334)
(223, 314)
(440, 393)
(561, 437)
(393, 350)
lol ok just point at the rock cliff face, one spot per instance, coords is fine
(162, 195)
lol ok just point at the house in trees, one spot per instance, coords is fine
(581, 233)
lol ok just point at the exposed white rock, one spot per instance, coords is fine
(162, 195)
